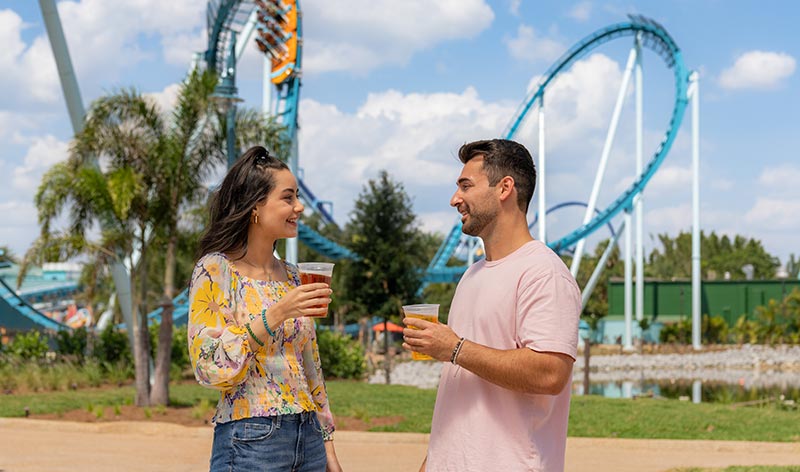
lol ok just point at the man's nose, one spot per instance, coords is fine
(455, 199)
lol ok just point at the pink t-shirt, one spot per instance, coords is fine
(526, 299)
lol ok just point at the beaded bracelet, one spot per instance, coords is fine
(266, 325)
(456, 350)
(253, 335)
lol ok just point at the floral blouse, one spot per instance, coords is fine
(282, 377)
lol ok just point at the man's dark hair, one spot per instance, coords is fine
(501, 158)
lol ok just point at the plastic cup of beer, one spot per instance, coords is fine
(424, 311)
(316, 272)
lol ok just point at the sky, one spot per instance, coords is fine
(399, 86)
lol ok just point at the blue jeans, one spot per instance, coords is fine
(291, 443)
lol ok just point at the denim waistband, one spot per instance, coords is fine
(302, 417)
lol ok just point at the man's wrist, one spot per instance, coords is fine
(456, 351)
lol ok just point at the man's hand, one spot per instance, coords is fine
(434, 339)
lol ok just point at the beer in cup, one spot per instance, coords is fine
(316, 272)
(427, 312)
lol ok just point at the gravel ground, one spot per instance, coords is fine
(748, 365)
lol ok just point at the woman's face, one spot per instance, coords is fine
(279, 213)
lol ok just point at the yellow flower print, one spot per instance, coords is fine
(291, 359)
(305, 402)
(252, 301)
(241, 408)
(212, 269)
(207, 304)
(286, 393)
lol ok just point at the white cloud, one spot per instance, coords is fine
(782, 179)
(167, 98)
(513, 7)
(579, 103)
(758, 70)
(528, 45)
(412, 136)
(581, 11)
(671, 178)
(105, 40)
(29, 68)
(359, 35)
(774, 213)
(42, 154)
(19, 226)
(438, 221)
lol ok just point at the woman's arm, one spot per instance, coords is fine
(316, 385)
(219, 349)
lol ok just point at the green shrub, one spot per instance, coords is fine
(30, 345)
(745, 331)
(112, 347)
(72, 343)
(342, 357)
(678, 332)
(179, 354)
(118, 373)
(93, 373)
(714, 330)
(8, 378)
(180, 350)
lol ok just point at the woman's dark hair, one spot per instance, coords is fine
(245, 185)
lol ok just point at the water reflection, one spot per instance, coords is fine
(697, 389)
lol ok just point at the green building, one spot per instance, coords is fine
(672, 300)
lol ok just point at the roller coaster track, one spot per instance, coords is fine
(655, 38)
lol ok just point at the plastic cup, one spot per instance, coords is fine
(315, 272)
(424, 311)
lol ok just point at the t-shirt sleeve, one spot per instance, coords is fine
(548, 313)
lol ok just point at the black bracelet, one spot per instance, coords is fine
(456, 350)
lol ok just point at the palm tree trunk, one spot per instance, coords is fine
(141, 336)
(160, 393)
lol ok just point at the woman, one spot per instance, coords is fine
(249, 335)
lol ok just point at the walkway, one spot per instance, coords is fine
(34, 445)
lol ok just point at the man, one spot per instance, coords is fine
(512, 332)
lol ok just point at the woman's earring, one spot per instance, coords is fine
(254, 219)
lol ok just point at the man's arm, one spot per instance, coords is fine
(522, 370)
(424, 462)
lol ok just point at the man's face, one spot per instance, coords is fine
(475, 199)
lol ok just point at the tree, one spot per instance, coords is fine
(152, 169)
(792, 267)
(7, 255)
(597, 306)
(383, 233)
(113, 195)
(719, 255)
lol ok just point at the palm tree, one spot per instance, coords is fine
(151, 168)
(196, 147)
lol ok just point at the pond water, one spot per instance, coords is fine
(696, 390)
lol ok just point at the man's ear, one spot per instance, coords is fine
(507, 188)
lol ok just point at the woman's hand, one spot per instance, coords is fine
(304, 300)
(333, 461)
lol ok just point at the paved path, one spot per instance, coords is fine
(40, 445)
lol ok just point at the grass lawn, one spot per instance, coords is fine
(408, 409)
(593, 416)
